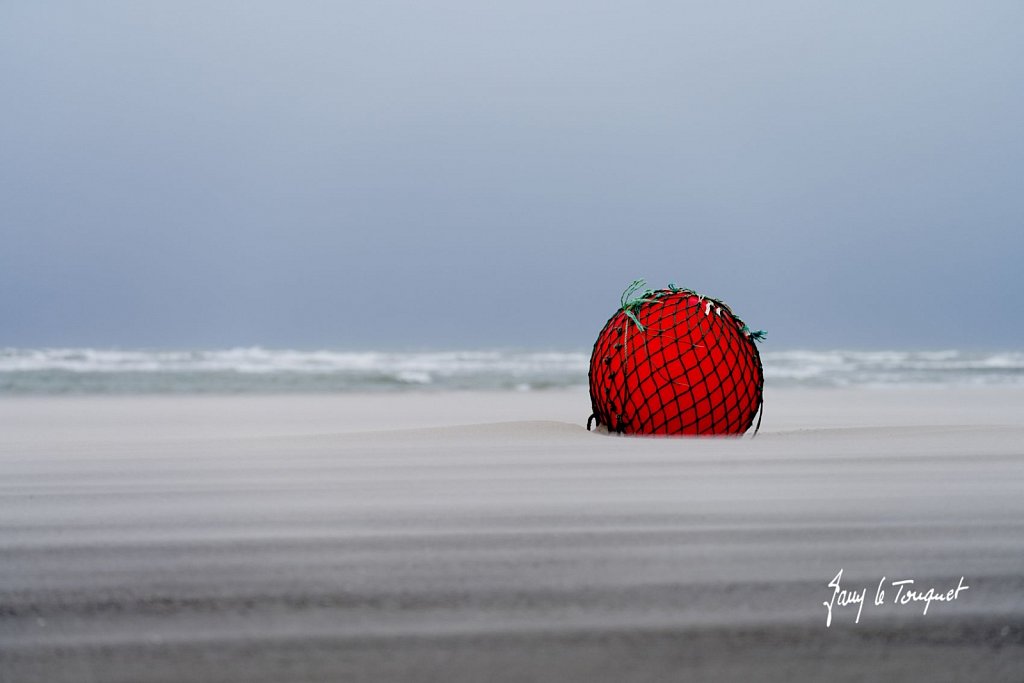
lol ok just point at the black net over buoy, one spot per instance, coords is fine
(673, 362)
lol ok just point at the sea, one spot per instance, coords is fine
(50, 371)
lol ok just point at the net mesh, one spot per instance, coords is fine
(673, 362)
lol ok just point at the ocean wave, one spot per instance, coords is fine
(257, 369)
(845, 368)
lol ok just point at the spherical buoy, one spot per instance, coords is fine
(672, 362)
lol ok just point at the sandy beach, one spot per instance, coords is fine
(461, 536)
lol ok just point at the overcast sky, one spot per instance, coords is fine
(468, 173)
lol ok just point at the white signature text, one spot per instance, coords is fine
(906, 592)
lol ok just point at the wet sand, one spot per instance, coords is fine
(469, 537)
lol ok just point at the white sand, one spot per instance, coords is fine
(471, 537)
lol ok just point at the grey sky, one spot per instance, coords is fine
(466, 173)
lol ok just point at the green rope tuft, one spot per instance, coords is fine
(633, 298)
(758, 335)
(627, 296)
(631, 302)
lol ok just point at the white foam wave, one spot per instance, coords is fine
(463, 368)
(843, 368)
(54, 370)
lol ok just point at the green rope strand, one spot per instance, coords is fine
(758, 335)
(635, 296)
(631, 303)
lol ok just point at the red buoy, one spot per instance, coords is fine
(672, 362)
